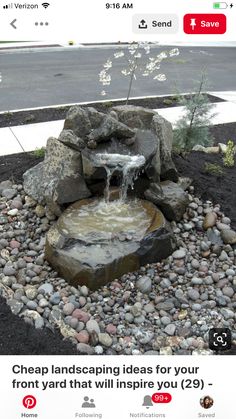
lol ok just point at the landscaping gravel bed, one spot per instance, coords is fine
(221, 188)
(164, 308)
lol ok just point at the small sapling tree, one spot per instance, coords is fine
(193, 127)
(137, 64)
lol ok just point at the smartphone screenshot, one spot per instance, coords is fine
(117, 209)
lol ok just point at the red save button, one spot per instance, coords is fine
(205, 24)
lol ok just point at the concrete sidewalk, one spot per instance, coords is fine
(30, 137)
(225, 113)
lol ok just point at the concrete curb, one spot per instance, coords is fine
(86, 103)
(217, 94)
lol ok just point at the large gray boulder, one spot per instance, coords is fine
(68, 138)
(163, 130)
(95, 263)
(161, 165)
(134, 116)
(170, 198)
(59, 178)
(111, 128)
(82, 120)
(33, 182)
(69, 172)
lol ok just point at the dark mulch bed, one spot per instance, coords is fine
(9, 119)
(223, 133)
(19, 338)
(14, 166)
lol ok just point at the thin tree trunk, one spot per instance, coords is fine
(195, 108)
(131, 81)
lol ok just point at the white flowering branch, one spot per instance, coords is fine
(133, 56)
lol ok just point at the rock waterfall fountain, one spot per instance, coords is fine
(97, 240)
(102, 234)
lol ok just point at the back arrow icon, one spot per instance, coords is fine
(12, 24)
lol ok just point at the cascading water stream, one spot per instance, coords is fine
(104, 219)
(128, 166)
(105, 234)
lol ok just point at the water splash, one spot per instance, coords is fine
(128, 166)
(106, 219)
(99, 220)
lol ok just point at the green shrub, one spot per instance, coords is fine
(39, 152)
(214, 169)
(193, 127)
(29, 118)
(168, 101)
(108, 104)
(8, 115)
(228, 159)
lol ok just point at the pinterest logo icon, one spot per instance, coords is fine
(29, 402)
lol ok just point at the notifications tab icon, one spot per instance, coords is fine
(205, 24)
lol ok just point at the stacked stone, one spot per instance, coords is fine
(69, 173)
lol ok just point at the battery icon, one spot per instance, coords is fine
(220, 5)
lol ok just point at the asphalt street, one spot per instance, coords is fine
(40, 78)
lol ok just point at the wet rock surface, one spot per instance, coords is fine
(93, 259)
(170, 198)
(69, 173)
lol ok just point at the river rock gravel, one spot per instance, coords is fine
(164, 308)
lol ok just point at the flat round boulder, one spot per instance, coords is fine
(94, 242)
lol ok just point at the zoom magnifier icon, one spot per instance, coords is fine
(220, 339)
